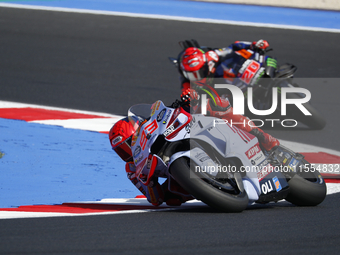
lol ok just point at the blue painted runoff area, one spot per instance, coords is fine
(203, 10)
(43, 164)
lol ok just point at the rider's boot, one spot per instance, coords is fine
(267, 141)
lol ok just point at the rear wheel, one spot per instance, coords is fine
(216, 193)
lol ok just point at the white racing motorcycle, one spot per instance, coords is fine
(216, 162)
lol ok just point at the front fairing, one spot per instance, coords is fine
(159, 120)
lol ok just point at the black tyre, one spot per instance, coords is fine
(202, 189)
(307, 188)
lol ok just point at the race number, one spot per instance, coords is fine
(148, 130)
(250, 71)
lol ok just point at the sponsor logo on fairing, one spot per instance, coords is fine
(167, 117)
(155, 107)
(277, 184)
(137, 151)
(138, 160)
(188, 127)
(265, 169)
(267, 187)
(293, 164)
(253, 151)
(161, 115)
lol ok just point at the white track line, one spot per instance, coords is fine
(9, 104)
(168, 17)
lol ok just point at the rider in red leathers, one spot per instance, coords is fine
(120, 137)
(199, 67)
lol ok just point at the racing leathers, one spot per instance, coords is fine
(169, 192)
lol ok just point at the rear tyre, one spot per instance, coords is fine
(202, 189)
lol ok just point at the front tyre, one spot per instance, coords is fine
(203, 190)
(307, 188)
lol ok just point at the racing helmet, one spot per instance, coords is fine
(121, 134)
(193, 64)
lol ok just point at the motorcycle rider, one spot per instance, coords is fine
(200, 65)
(120, 136)
(122, 132)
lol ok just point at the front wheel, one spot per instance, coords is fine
(206, 189)
(307, 188)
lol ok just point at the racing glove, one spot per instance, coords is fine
(260, 45)
(190, 96)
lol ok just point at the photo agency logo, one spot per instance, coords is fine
(239, 101)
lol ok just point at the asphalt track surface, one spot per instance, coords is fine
(106, 64)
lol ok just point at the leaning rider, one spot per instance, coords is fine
(200, 65)
(120, 137)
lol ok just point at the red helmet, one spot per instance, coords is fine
(121, 135)
(193, 64)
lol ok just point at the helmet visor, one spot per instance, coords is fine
(196, 75)
(124, 150)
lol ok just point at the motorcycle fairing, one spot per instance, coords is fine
(251, 186)
(161, 122)
(229, 141)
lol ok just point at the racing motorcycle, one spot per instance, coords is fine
(216, 162)
(276, 77)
